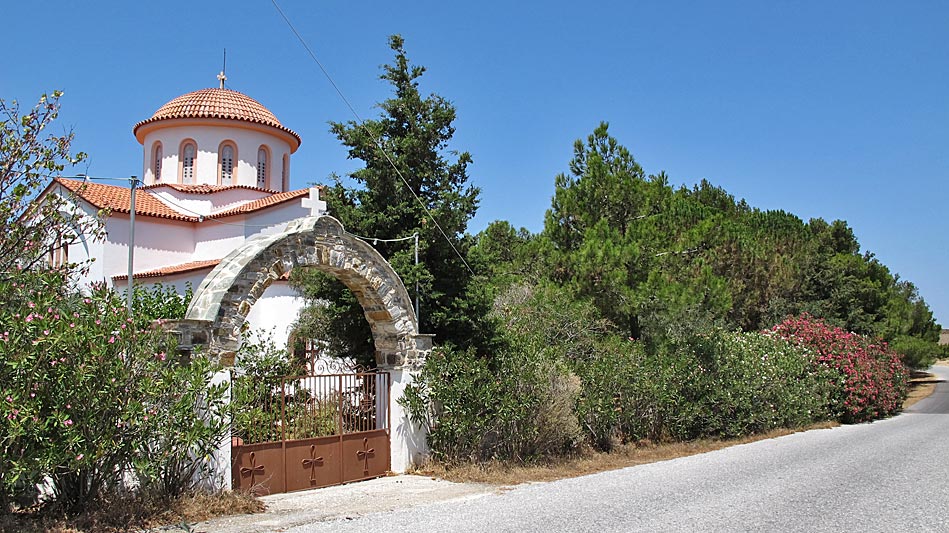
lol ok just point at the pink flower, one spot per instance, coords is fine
(67, 422)
(9, 398)
(112, 340)
(72, 325)
(79, 457)
(31, 305)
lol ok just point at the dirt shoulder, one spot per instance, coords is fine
(344, 501)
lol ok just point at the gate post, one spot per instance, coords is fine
(408, 441)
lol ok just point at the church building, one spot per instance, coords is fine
(216, 171)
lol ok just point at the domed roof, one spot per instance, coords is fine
(217, 104)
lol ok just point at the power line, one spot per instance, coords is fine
(375, 140)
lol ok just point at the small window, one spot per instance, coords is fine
(188, 153)
(262, 168)
(226, 156)
(285, 173)
(157, 162)
(59, 251)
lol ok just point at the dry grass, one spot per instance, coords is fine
(499, 473)
(133, 514)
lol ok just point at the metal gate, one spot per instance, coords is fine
(306, 432)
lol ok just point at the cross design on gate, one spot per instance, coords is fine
(254, 469)
(312, 463)
(365, 454)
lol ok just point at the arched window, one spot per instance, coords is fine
(263, 168)
(227, 155)
(156, 161)
(189, 153)
(285, 173)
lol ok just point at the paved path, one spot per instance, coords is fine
(890, 475)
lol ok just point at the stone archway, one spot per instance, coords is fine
(219, 309)
(221, 304)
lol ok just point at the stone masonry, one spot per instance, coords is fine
(220, 306)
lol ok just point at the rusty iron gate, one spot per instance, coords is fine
(312, 431)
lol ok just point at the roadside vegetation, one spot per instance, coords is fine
(643, 314)
(101, 422)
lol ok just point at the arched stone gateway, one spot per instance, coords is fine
(221, 304)
(218, 312)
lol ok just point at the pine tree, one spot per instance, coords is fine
(411, 135)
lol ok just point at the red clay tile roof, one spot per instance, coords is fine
(204, 189)
(118, 199)
(263, 203)
(217, 103)
(173, 269)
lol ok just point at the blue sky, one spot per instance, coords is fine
(837, 110)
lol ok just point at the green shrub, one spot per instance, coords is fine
(88, 398)
(915, 352)
(736, 384)
(515, 406)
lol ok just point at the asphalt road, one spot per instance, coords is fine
(890, 476)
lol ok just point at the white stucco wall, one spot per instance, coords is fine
(274, 219)
(205, 204)
(178, 281)
(408, 442)
(274, 313)
(208, 139)
(158, 242)
(214, 239)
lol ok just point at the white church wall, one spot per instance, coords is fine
(274, 219)
(214, 239)
(274, 313)
(158, 242)
(205, 204)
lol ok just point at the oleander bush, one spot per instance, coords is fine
(88, 401)
(871, 379)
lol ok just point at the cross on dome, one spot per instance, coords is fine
(221, 78)
(316, 206)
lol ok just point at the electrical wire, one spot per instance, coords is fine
(376, 140)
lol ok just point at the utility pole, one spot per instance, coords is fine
(133, 183)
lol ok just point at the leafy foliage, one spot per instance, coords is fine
(29, 157)
(88, 396)
(872, 381)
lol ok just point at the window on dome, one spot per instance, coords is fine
(188, 153)
(262, 167)
(226, 156)
(285, 173)
(157, 161)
